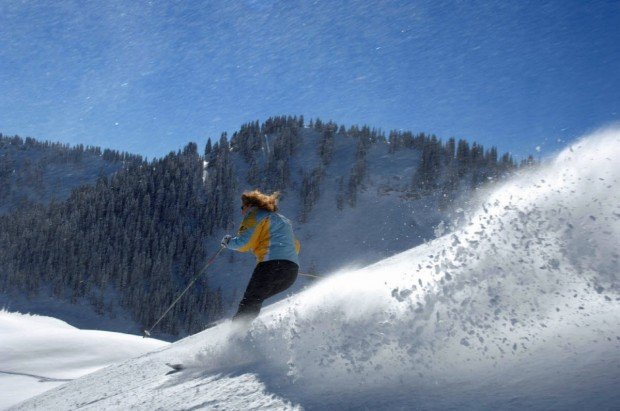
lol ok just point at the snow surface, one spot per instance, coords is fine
(517, 309)
(40, 353)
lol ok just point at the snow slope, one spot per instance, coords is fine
(40, 353)
(518, 309)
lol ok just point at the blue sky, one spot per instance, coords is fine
(149, 76)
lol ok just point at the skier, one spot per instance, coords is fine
(269, 236)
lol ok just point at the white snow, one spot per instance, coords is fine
(517, 309)
(39, 353)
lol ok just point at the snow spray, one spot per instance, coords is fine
(525, 294)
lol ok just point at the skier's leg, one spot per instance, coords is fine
(254, 295)
(283, 274)
(268, 279)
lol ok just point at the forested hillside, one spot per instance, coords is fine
(132, 239)
(39, 172)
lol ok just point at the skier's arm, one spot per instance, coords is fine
(246, 235)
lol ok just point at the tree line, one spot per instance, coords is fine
(132, 239)
(35, 172)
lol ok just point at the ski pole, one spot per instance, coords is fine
(311, 275)
(147, 333)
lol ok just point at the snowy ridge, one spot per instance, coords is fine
(39, 353)
(520, 308)
(39, 172)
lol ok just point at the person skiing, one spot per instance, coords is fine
(269, 236)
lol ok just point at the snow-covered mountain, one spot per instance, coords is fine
(37, 172)
(518, 308)
(135, 239)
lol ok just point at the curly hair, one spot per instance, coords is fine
(257, 199)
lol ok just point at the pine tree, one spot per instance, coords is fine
(326, 146)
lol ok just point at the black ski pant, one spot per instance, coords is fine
(268, 279)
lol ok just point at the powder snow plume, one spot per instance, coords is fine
(532, 277)
(517, 309)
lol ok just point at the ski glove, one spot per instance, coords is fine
(225, 240)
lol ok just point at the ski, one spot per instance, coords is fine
(175, 368)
